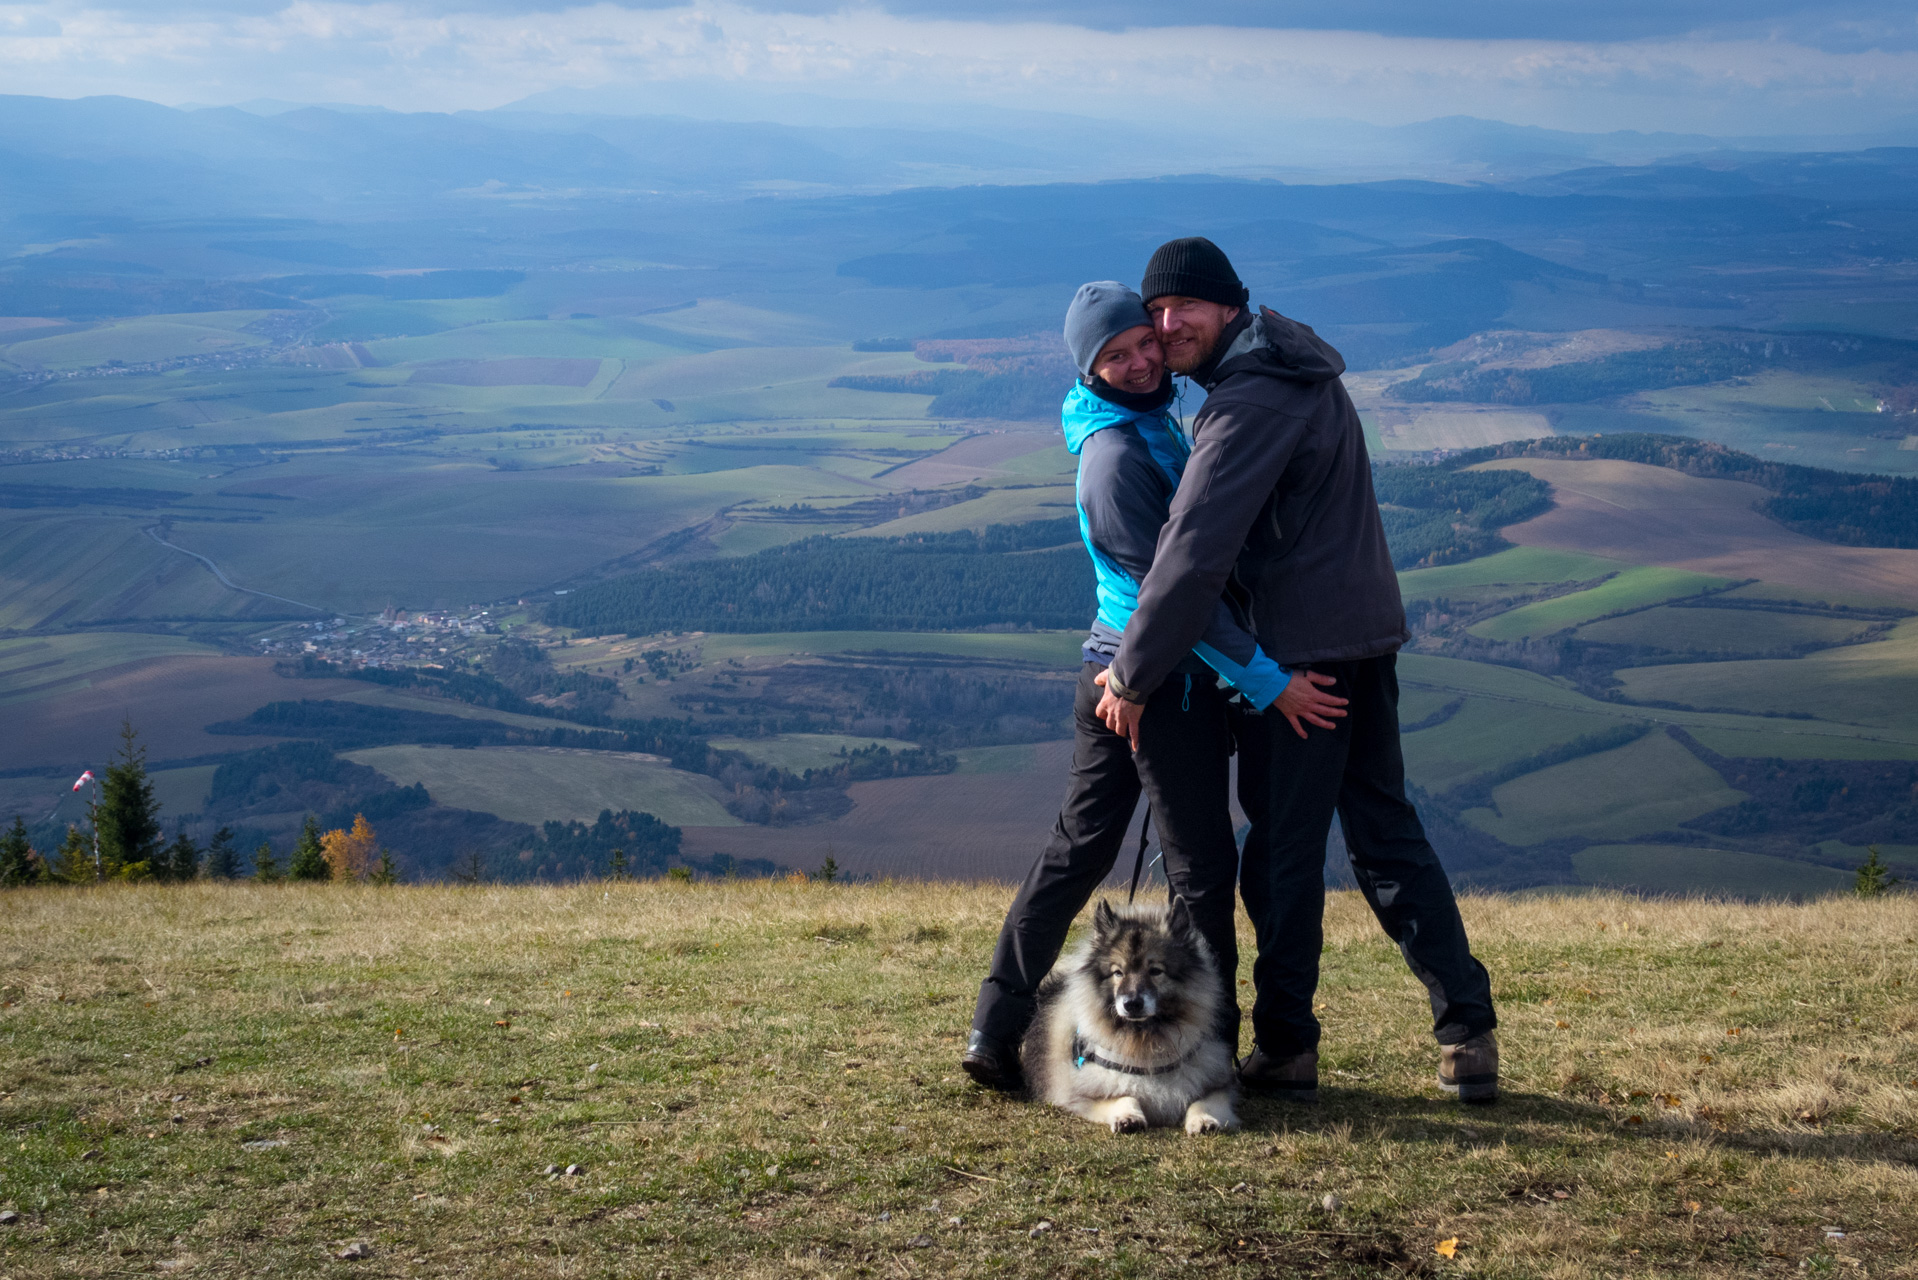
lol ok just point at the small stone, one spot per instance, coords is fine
(919, 1242)
(550, 1170)
(574, 1170)
(179, 1119)
(592, 1067)
(1331, 1203)
(94, 1154)
(263, 1144)
(8, 1218)
(884, 1217)
(1039, 1228)
(1470, 1135)
(358, 1249)
(179, 1097)
(772, 1171)
(1238, 1187)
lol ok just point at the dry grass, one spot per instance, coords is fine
(759, 1079)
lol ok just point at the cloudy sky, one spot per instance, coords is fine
(1719, 66)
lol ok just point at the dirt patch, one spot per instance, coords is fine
(520, 371)
(972, 458)
(167, 699)
(981, 826)
(1650, 515)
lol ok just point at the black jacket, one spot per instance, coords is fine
(1277, 504)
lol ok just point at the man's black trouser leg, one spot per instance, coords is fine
(1184, 748)
(1290, 787)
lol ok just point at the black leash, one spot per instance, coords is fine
(1138, 863)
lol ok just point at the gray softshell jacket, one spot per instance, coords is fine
(1277, 502)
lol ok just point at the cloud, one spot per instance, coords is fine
(441, 55)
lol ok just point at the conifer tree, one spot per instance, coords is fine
(179, 860)
(222, 859)
(385, 871)
(19, 863)
(618, 863)
(309, 857)
(73, 863)
(128, 815)
(266, 866)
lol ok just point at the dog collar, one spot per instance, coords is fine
(1083, 1054)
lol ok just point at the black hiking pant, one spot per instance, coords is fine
(1289, 787)
(1185, 749)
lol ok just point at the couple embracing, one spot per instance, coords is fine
(1246, 599)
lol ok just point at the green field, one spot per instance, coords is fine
(37, 667)
(1682, 869)
(1011, 758)
(1002, 506)
(798, 752)
(136, 341)
(542, 784)
(1871, 684)
(1517, 571)
(1633, 588)
(1720, 630)
(1647, 786)
(1488, 732)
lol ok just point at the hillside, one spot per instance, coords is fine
(759, 1079)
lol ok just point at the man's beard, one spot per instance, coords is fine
(1189, 356)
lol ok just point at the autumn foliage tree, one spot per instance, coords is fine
(351, 853)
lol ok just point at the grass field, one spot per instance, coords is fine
(760, 1080)
(1646, 786)
(541, 784)
(36, 667)
(1632, 588)
(1001, 506)
(1054, 648)
(799, 752)
(135, 341)
(1869, 684)
(1517, 571)
(1721, 630)
(1682, 869)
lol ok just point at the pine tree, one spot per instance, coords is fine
(618, 865)
(73, 863)
(266, 866)
(309, 858)
(1874, 877)
(385, 871)
(180, 861)
(222, 859)
(19, 863)
(128, 815)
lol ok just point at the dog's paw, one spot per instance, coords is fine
(1128, 1124)
(1210, 1114)
(1198, 1122)
(1125, 1116)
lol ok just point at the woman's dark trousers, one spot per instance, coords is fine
(1184, 752)
(1289, 787)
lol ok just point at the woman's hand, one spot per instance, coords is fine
(1122, 717)
(1303, 701)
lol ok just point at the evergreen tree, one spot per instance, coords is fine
(73, 863)
(385, 871)
(178, 861)
(266, 866)
(222, 859)
(19, 863)
(1874, 877)
(128, 815)
(618, 864)
(309, 856)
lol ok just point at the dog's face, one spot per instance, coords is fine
(1144, 966)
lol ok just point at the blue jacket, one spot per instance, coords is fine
(1130, 462)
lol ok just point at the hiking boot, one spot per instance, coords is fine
(1469, 1071)
(1289, 1079)
(992, 1064)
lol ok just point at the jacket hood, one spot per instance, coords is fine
(1085, 412)
(1274, 346)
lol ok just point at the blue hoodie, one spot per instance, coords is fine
(1130, 462)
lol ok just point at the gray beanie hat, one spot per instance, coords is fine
(1100, 311)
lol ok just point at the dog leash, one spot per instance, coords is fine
(1138, 863)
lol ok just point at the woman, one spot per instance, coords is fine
(1131, 455)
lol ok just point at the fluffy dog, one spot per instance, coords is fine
(1124, 1035)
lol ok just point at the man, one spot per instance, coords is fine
(1277, 502)
(1130, 456)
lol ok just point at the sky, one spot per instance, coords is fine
(1697, 66)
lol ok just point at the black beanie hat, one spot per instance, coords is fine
(1193, 268)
